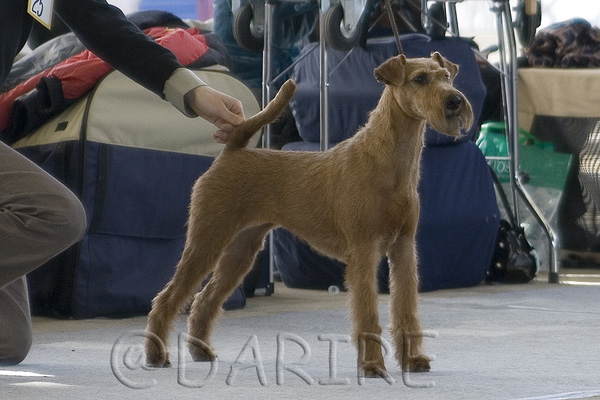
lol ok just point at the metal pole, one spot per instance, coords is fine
(508, 69)
(323, 84)
(453, 19)
(266, 72)
(266, 97)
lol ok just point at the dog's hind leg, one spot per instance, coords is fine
(361, 280)
(234, 264)
(404, 297)
(200, 255)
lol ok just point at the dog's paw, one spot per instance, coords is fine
(203, 354)
(374, 370)
(157, 355)
(418, 363)
(158, 360)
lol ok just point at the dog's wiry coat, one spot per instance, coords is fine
(355, 202)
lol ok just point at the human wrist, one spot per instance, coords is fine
(179, 84)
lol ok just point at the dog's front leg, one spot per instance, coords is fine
(361, 280)
(404, 285)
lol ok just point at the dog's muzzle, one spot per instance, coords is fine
(457, 113)
(453, 104)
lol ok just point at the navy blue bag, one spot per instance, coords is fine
(132, 159)
(459, 216)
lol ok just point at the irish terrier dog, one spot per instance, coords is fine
(355, 202)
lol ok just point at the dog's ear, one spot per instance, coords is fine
(451, 67)
(391, 72)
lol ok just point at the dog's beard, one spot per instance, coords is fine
(454, 122)
(452, 126)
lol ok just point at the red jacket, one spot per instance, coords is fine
(80, 73)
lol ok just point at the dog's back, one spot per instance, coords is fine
(241, 134)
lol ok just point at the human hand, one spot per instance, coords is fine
(223, 111)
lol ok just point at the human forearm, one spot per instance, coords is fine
(104, 30)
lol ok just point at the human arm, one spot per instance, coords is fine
(221, 110)
(104, 30)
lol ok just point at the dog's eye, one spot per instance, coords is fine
(422, 78)
(447, 76)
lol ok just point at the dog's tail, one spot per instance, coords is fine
(241, 134)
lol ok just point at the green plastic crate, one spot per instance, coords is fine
(544, 166)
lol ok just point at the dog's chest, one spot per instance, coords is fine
(384, 213)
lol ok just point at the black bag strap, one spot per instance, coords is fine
(503, 199)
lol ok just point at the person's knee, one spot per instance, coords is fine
(61, 216)
(44, 219)
(72, 218)
(56, 221)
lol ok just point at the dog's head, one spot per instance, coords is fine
(423, 89)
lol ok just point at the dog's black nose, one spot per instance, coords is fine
(453, 103)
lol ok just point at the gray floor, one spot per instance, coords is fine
(534, 341)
